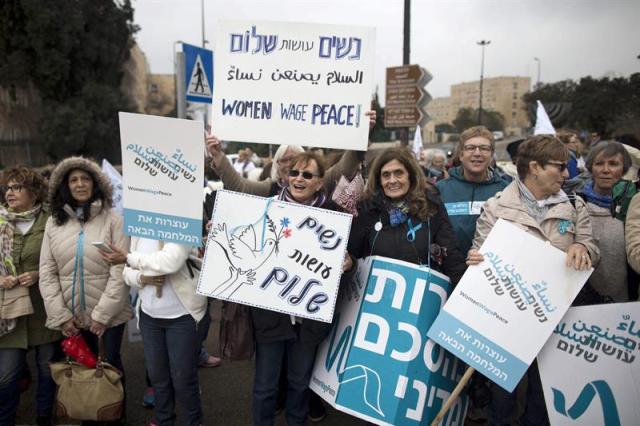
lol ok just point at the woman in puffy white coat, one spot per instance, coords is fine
(170, 313)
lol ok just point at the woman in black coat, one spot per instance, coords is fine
(401, 217)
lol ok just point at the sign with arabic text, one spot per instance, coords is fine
(378, 364)
(293, 83)
(503, 310)
(163, 168)
(275, 255)
(589, 369)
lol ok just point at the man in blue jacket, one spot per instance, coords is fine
(470, 184)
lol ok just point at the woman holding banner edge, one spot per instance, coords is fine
(536, 202)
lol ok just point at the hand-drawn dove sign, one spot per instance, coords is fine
(275, 255)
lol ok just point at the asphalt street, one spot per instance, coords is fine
(226, 390)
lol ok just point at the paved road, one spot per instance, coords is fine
(226, 391)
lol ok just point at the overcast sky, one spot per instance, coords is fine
(572, 38)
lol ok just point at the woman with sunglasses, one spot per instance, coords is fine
(536, 203)
(22, 223)
(279, 336)
(347, 166)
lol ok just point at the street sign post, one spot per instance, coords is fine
(406, 98)
(198, 73)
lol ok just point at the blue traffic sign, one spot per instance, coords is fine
(198, 64)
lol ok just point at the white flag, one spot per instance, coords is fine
(543, 124)
(417, 143)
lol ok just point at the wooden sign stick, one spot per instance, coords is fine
(454, 395)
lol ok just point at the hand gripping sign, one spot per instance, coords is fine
(275, 255)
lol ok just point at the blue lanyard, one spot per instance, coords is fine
(79, 264)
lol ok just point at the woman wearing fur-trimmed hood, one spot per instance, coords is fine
(82, 292)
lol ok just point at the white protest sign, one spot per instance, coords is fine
(589, 369)
(163, 168)
(293, 83)
(503, 310)
(116, 182)
(275, 255)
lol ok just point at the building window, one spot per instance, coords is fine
(515, 96)
(513, 114)
(515, 85)
(513, 105)
(154, 88)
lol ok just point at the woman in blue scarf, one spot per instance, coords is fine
(607, 162)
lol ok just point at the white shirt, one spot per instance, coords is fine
(168, 306)
(24, 226)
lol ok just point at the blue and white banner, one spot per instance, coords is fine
(378, 363)
(285, 82)
(163, 168)
(589, 369)
(504, 309)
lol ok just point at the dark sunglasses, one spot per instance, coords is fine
(561, 166)
(305, 175)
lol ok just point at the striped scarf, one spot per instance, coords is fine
(317, 201)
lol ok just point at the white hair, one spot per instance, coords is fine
(433, 153)
(278, 155)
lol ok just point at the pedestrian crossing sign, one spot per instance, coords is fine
(198, 73)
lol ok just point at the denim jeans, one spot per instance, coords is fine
(503, 404)
(12, 365)
(269, 356)
(171, 348)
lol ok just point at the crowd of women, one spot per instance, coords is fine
(55, 283)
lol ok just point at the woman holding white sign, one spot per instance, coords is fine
(401, 218)
(280, 335)
(347, 166)
(536, 202)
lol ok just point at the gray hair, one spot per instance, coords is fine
(433, 153)
(608, 149)
(278, 155)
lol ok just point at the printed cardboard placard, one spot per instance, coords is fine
(378, 364)
(275, 255)
(589, 369)
(163, 168)
(293, 83)
(504, 309)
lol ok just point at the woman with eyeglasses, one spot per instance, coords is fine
(22, 312)
(84, 294)
(536, 203)
(279, 336)
(402, 218)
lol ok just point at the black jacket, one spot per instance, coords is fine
(436, 235)
(270, 326)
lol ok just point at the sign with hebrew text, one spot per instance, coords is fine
(275, 255)
(590, 366)
(378, 364)
(163, 171)
(293, 83)
(503, 310)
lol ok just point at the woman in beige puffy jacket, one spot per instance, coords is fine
(83, 293)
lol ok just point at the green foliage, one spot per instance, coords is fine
(468, 117)
(73, 52)
(602, 105)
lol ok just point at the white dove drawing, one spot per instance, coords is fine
(243, 254)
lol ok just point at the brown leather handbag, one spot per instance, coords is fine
(88, 393)
(237, 342)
